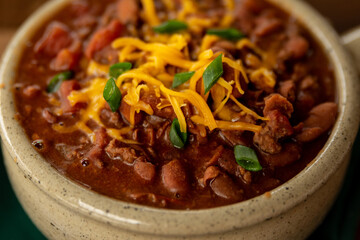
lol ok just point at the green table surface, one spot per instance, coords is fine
(342, 222)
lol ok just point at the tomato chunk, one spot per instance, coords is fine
(56, 37)
(103, 38)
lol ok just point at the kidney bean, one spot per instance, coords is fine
(224, 187)
(290, 153)
(145, 170)
(174, 177)
(320, 119)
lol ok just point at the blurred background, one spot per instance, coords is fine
(341, 223)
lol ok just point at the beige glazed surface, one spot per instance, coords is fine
(62, 209)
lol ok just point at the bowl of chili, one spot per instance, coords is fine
(154, 123)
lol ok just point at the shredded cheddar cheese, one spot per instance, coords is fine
(226, 85)
(229, 15)
(207, 42)
(245, 42)
(238, 66)
(242, 126)
(188, 7)
(264, 76)
(149, 9)
(97, 69)
(169, 4)
(92, 95)
(197, 24)
(156, 60)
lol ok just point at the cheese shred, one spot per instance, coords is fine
(156, 60)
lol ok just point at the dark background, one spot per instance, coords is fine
(341, 223)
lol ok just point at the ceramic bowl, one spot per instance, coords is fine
(62, 209)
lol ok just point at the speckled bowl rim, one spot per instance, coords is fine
(143, 219)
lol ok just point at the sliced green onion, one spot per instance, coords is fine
(112, 95)
(56, 81)
(246, 157)
(119, 68)
(229, 33)
(212, 73)
(181, 78)
(170, 26)
(177, 138)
